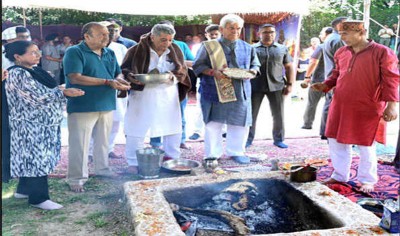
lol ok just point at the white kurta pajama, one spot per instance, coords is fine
(121, 103)
(154, 112)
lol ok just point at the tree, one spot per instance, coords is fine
(322, 12)
(74, 17)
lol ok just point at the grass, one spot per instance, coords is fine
(97, 211)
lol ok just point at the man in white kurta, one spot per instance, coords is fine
(155, 112)
(121, 103)
(153, 109)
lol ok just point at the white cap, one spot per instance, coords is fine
(10, 33)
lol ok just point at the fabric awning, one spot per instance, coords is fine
(169, 7)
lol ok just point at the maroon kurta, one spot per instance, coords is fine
(364, 82)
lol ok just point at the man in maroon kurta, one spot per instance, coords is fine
(366, 81)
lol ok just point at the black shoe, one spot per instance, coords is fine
(306, 127)
(323, 137)
(224, 135)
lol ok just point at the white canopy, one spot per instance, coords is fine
(168, 7)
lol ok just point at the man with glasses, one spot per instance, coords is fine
(275, 82)
(92, 67)
(118, 38)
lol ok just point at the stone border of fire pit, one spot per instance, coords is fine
(151, 215)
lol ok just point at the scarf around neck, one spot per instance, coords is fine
(39, 75)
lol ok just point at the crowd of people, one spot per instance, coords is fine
(102, 91)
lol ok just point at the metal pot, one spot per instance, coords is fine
(210, 163)
(180, 166)
(306, 174)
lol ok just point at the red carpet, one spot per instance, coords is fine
(262, 151)
(387, 187)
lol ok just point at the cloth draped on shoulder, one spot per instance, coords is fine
(225, 89)
(137, 61)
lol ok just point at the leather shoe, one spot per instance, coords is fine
(194, 136)
(323, 137)
(241, 159)
(280, 145)
(306, 127)
(183, 146)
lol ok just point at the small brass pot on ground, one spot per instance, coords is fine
(305, 174)
(210, 163)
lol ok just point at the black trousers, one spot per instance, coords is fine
(37, 188)
(276, 104)
(325, 111)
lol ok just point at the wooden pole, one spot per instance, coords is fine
(367, 6)
(40, 24)
(24, 16)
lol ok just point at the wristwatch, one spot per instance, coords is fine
(288, 84)
(307, 77)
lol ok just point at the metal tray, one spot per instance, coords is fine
(153, 78)
(180, 166)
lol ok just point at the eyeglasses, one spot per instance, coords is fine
(36, 53)
(23, 36)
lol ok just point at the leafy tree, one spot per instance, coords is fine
(322, 12)
(74, 17)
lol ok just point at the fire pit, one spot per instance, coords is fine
(266, 205)
(270, 204)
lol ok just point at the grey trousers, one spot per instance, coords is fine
(313, 99)
(276, 104)
(325, 110)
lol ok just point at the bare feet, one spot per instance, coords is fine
(131, 170)
(331, 181)
(367, 188)
(77, 188)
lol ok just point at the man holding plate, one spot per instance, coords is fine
(153, 108)
(225, 100)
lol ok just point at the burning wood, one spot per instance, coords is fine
(241, 194)
(238, 224)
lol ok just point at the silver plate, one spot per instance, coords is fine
(180, 166)
(237, 73)
(153, 78)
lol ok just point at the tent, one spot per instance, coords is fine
(254, 11)
(170, 7)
